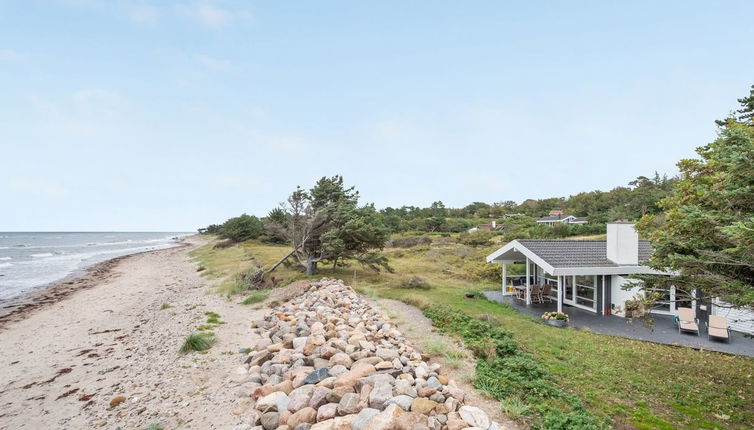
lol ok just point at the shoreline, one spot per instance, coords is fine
(69, 362)
(22, 306)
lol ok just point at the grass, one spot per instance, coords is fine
(213, 318)
(633, 383)
(198, 342)
(435, 348)
(156, 426)
(165, 306)
(256, 297)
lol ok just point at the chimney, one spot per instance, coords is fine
(622, 243)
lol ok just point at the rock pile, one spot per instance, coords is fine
(328, 361)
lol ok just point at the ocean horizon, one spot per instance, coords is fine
(30, 260)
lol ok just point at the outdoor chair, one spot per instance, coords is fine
(536, 294)
(545, 293)
(717, 327)
(687, 321)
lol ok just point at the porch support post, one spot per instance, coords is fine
(560, 294)
(528, 281)
(505, 275)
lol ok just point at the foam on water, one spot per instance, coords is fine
(42, 258)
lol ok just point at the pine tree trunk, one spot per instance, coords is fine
(311, 266)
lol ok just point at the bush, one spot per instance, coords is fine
(507, 372)
(197, 342)
(241, 228)
(477, 238)
(257, 297)
(408, 242)
(414, 283)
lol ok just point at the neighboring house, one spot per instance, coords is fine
(591, 274)
(486, 227)
(557, 216)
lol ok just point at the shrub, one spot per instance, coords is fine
(241, 228)
(414, 283)
(477, 238)
(479, 269)
(197, 342)
(408, 242)
(507, 372)
(257, 297)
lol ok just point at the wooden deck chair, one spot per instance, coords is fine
(717, 327)
(536, 293)
(687, 321)
(544, 293)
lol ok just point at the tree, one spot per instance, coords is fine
(706, 234)
(326, 224)
(241, 228)
(745, 113)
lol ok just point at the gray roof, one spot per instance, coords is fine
(579, 253)
(551, 218)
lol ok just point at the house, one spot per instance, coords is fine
(485, 227)
(596, 275)
(557, 216)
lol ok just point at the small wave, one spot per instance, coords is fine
(43, 255)
(6, 264)
(6, 258)
(4, 247)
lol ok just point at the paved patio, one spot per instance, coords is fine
(663, 331)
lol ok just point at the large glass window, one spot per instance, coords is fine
(585, 290)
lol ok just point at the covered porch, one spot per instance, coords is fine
(543, 286)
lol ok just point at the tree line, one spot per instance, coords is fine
(701, 224)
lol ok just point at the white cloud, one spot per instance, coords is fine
(143, 14)
(212, 16)
(213, 63)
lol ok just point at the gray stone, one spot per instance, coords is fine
(338, 370)
(270, 420)
(273, 402)
(317, 376)
(380, 394)
(403, 401)
(433, 382)
(363, 418)
(349, 404)
(474, 417)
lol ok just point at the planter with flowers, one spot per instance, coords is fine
(557, 319)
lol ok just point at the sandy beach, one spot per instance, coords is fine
(118, 334)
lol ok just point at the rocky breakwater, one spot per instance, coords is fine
(328, 361)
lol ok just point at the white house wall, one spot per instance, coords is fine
(618, 295)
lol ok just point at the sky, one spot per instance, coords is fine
(168, 116)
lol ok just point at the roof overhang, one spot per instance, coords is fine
(514, 252)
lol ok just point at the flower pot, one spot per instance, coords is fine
(557, 323)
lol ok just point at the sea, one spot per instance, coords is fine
(32, 260)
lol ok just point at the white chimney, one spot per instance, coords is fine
(622, 243)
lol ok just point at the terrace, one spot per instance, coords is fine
(662, 330)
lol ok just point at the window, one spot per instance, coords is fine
(585, 290)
